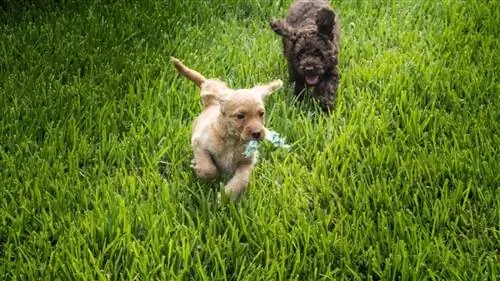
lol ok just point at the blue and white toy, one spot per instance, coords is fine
(272, 136)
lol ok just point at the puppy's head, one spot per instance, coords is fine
(312, 46)
(243, 111)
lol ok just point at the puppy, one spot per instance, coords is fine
(311, 35)
(229, 120)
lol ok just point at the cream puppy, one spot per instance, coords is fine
(229, 120)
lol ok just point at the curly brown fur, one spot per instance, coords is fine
(230, 119)
(311, 35)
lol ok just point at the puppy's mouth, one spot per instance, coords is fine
(312, 80)
(254, 138)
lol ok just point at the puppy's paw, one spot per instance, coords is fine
(204, 170)
(326, 103)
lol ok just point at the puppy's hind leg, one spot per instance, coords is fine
(239, 182)
(203, 165)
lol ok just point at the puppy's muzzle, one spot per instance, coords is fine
(257, 134)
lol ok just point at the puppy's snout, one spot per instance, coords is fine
(309, 68)
(257, 134)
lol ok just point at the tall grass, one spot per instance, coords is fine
(399, 183)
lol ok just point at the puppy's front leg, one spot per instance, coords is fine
(238, 183)
(203, 164)
(325, 92)
(299, 89)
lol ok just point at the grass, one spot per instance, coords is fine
(400, 183)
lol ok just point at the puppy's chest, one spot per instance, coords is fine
(227, 160)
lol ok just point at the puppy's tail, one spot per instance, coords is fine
(191, 74)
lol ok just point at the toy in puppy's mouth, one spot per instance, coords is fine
(272, 136)
(312, 80)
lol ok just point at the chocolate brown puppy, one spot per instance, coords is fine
(311, 35)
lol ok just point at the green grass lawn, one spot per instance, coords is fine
(401, 182)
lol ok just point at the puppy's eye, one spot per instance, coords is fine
(261, 114)
(240, 116)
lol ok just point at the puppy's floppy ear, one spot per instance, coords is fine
(283, 29)
(266, 90)
(325, 20)
(212, 91)
(223, 101)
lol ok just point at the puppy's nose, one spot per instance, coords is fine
(256, 134)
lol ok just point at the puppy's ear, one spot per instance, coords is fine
(325, 20)
(212, 91)
(283, 29)
(266, 90)
(209, 99)
(223, 101)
